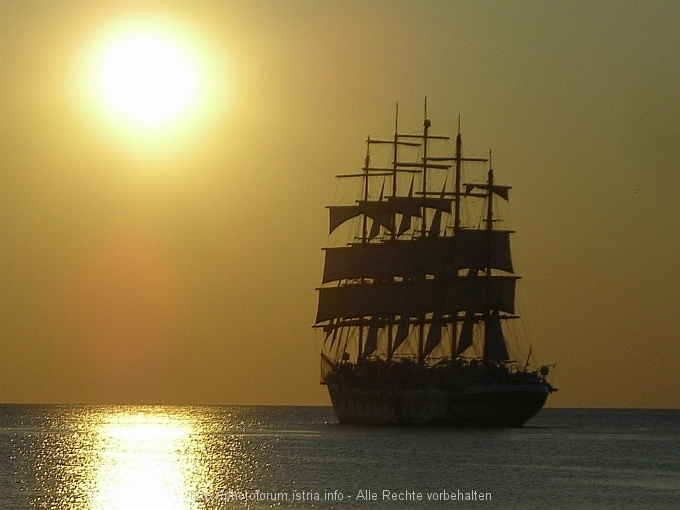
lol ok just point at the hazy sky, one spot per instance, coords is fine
(176, 263)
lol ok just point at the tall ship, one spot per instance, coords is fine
(415, 305)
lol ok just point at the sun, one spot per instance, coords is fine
(148, 79)
(150, 86)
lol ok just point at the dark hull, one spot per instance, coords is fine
(509, 405)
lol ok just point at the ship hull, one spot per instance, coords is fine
(484, 406)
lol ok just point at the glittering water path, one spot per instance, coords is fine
(166, 457)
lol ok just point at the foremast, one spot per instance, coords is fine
(395, 295)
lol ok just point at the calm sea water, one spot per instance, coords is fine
(165, 457)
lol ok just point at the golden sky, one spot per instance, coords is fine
(171, 256)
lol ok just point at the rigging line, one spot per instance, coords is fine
(523, 320)
(336, 191)
(519, 296)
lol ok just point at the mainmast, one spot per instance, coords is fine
(426, 127)
(367, 167)
(395, 155)
(459, 166)
(495, 348)
(459, 160)
(489, 214)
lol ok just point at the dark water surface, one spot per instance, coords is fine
(166, 457)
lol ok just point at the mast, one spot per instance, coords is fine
(458, 158)
(395, 160)
(495, 348)
(426, 127)
(360, 351)
(456, 224)
(489, 216)
(367, 167)
(393, 233)
(489, 227)
(423, 228)
(395, 170)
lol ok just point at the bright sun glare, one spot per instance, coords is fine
(148, 79)
(150, 85)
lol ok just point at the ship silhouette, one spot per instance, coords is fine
(414, 307)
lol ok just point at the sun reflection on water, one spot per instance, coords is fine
(147, 460)
(138, 457)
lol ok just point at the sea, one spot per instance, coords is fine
(242, 457)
